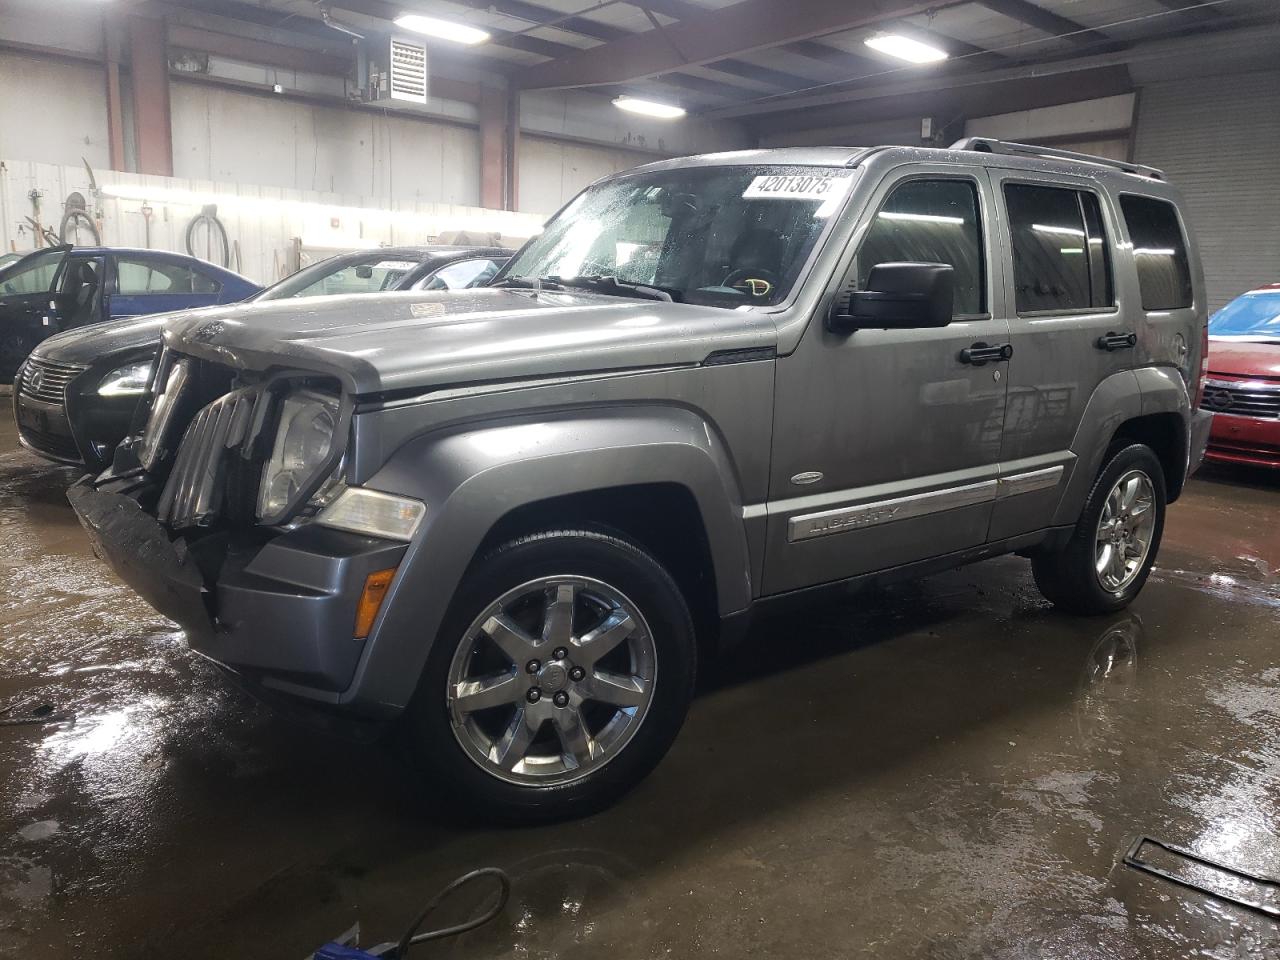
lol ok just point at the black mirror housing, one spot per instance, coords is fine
(364, 271)
(899, 296)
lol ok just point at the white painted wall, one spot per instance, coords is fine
(904, 132)
(552, 171)
(1085, 119)
(52, 110)
(227, 135)
(262, 222)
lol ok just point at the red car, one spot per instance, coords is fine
(1243, 386)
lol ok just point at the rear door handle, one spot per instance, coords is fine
(981, 353)
(1116, 341)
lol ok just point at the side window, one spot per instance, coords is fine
(930, 221)
(35, 275)
(204, 283)
(1060, 259)
(138, 275)
(1164, 275)
(461, 275)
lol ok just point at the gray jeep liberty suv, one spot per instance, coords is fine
(519, 515)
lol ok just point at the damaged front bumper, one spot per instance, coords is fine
(280, 613)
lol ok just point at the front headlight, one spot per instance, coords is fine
(127, 381)
(303, 442)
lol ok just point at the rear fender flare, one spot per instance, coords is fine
(1116, 399)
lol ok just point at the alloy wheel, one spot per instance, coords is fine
(1125, 531)
(551, 680)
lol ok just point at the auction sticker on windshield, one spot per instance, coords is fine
(803, 186)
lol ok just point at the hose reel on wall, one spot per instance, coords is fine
(206, 237)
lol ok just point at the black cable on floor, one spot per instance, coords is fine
(411, 936)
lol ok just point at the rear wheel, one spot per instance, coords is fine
(1109, 556)
(561, 676)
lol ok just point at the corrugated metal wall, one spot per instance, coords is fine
(1218, 140)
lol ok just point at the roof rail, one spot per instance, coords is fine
(988, 145)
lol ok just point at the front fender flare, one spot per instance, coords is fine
(471, 476)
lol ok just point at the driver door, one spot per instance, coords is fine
(28, 305)
(886, 442)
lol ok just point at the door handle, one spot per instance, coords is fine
(1116, 341)
(981, 353)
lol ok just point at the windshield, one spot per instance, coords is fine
(343, 274)
(35, 274)
(1255, 314)
(725, 236)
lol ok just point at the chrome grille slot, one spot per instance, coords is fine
(194, 493)
(1242, 398)
(46, 380)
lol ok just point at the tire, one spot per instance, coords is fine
(1069, 576)
(612, 587)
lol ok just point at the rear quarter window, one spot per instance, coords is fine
(1159, 251)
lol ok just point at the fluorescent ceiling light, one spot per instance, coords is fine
(441, 29)
(649, 108)
(922, 217)
(1052, 228)
(904, 48)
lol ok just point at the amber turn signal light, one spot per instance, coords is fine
(376, 585)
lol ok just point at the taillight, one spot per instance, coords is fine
(1204, 364)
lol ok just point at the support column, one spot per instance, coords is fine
(115, 111)
(149, 82)
(493, 148)
(513, 151)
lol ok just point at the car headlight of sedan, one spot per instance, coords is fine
(303, 443)
(128, 381)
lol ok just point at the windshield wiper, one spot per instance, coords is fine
(621, 288)
(530, 283)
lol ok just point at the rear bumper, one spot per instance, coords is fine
(1252, 441)
(1201, 426)
(280, 613)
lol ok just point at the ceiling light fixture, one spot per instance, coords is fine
(441, 29)
(904, 48)
(649, 108)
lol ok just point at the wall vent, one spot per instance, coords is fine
(408, 71)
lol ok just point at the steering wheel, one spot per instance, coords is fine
(753, 283)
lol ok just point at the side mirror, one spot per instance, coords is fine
(364, 271)
(899, 296)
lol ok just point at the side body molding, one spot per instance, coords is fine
(471, 476)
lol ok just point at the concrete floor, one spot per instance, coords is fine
(946, 769)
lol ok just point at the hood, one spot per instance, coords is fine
(88, 345)
(1239, 357)
(416, 341)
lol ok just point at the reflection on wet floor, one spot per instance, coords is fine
(943, 769)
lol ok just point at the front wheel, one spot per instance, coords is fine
(1110, 554)
(559, 679)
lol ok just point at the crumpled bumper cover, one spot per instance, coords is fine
(282, 613)
(140, 552)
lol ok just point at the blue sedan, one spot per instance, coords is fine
(59, 288)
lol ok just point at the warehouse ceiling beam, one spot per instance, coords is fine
(1026, 12)
(1194, 9)
(1198, 44)
(711, 35)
